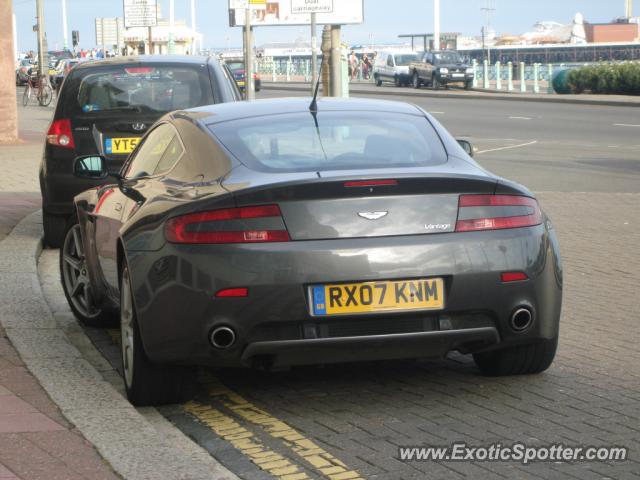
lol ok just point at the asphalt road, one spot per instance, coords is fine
(546, 146)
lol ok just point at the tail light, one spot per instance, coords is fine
(60, 134)
(496, 212)
(214, 226)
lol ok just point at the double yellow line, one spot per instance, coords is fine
(312, 456)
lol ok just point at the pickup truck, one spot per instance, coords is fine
(440, 68)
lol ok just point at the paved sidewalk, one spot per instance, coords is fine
(36, 441)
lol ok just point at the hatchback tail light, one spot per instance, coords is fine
(496, 212)
(60, 134)
(228, 225)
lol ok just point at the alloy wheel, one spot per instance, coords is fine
(75, 274)
(127, 328)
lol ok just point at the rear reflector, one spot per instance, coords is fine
(232, 293)
(60, 134)
(201, 227)
(370, 183)
(493, 216)
(506, 277)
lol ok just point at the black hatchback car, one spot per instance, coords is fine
(105, 107)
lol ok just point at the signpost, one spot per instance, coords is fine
(141, 13)
(253, 13)
(296, 12)
(311, 6)
(110, 32)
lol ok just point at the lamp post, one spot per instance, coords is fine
(436, 24)
(64, 25)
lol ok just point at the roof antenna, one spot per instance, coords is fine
(313, 108)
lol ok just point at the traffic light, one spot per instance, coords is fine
(75, 37)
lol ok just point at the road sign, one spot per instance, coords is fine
(297, 12)
(311, 6)
(140, 13)
(109, 32)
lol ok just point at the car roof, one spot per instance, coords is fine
(211, 114)
(147, 59)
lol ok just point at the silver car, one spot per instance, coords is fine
(277, 233)
(393, 67)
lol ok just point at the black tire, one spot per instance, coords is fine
(77, 289)
(519, 360)
(468, 85)
(396, 81)
(55, 228)
(46, 94)
(378, 80)
(435, 84)
(145, 382)
(416, 80)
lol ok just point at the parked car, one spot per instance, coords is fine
(393, 67)
(105, 107)
(22, 71)
(62, 69)
(236, 66)
(441, 68)
(276, 233)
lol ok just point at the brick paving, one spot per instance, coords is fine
(36, 442)
(589, 396)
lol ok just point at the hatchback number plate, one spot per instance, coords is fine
(375, 297)
(116, 146)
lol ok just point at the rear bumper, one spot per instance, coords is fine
(175, 290)
(368, 347)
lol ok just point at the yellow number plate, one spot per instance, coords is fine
(374, 297)
(116, 146)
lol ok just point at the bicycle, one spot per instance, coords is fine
(39, 87)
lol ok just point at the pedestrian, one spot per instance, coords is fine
(353, 65)
(366, 66)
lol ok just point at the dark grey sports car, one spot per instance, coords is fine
(270, 234)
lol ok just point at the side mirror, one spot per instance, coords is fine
(91, 167)
(467, 147)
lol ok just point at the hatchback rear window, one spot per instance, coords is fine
(144, 88)
(339, 141)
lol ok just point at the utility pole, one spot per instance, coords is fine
(64, 25)
(43, 67)
(193, 27)
(314, 54)
(628, 11)
(488, 10)
(249, 91)
(436, 25)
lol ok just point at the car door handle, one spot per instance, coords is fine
(118, 207)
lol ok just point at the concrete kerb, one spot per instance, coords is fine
(136, 446)
(477, 94)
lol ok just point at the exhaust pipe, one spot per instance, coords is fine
(521, 319)
(222, 337)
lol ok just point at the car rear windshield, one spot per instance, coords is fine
(404, 60)
(153, 89)
(339, 141)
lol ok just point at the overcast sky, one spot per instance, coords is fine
(384, 20)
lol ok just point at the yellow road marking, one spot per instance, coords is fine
(243, 440)
(314, 455)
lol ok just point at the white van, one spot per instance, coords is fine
(393, 67)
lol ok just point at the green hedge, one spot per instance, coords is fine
(618, 78)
